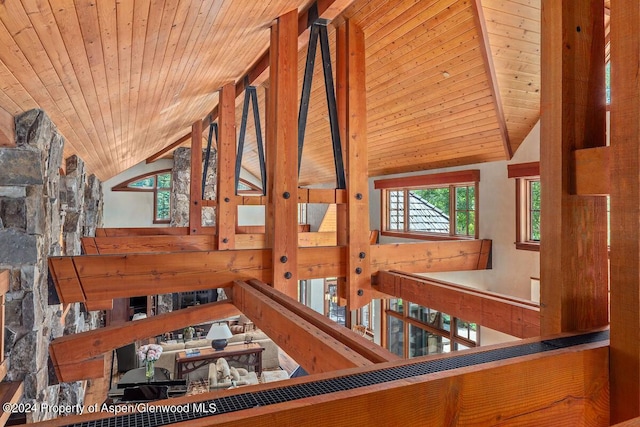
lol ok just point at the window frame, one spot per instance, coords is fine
(253, 190)
(408, 320)
(453, 180)
(524, 174)
(124, 186)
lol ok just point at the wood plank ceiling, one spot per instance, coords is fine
(447, 80)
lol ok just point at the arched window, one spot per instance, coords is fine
(158, 182)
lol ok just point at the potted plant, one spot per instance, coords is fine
(188, 332)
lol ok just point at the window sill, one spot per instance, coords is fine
(422, 236)
(527, 246)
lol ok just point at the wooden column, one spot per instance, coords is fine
(282, 153)
(227, 209)
(573, 244)
(195, 186)
(625, 211)
(352, 106)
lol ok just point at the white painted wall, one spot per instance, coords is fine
(135, 209)
(512, 269)
(128, 208)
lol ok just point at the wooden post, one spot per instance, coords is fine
(282, 153)
(625, 210)
(573, 244)
(195, 186)
(351, 50)
(227, 203)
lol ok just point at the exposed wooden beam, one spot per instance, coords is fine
(573, 117)
(516, 317)
(592, 171)
(10, 393)
(295, 335)
(4, 281)
(4, 288)
(99, 278)
(7, 129)
(149, 244)
(227, 209)
(431, 256)
(625, 210)
(146, 244)
(342, 103)
(4, 367)
(195, 184)
(358, 279)
(521, 170)
(149, 231)
(282, 153)
(104, 277)
(321, 195)
(490, 70)
(71, 350)
(574, 390)
(168, 148)
(354, 341)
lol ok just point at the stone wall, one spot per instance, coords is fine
(41, 214)
(180, 188)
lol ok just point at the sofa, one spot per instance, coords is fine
(171, 349)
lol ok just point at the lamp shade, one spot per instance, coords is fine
(139, 316)
(218, 335)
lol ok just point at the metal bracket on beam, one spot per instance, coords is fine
(251, 94)
(319, 30)
(213, 129)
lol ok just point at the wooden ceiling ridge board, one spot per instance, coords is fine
(76, 349)
(299, 338)
(485, 49)
(356, 342)
(519, 318)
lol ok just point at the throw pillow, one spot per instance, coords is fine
(223, 368)
(235, 376)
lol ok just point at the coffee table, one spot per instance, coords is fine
(249, 355)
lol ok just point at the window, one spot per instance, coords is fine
(428, 331)
(333, 310)
(438, 206)
(527, 204)
(160, 184)
(246, 188)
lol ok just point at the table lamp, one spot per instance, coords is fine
(218, 334)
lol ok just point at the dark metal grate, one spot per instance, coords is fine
(250, 400)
